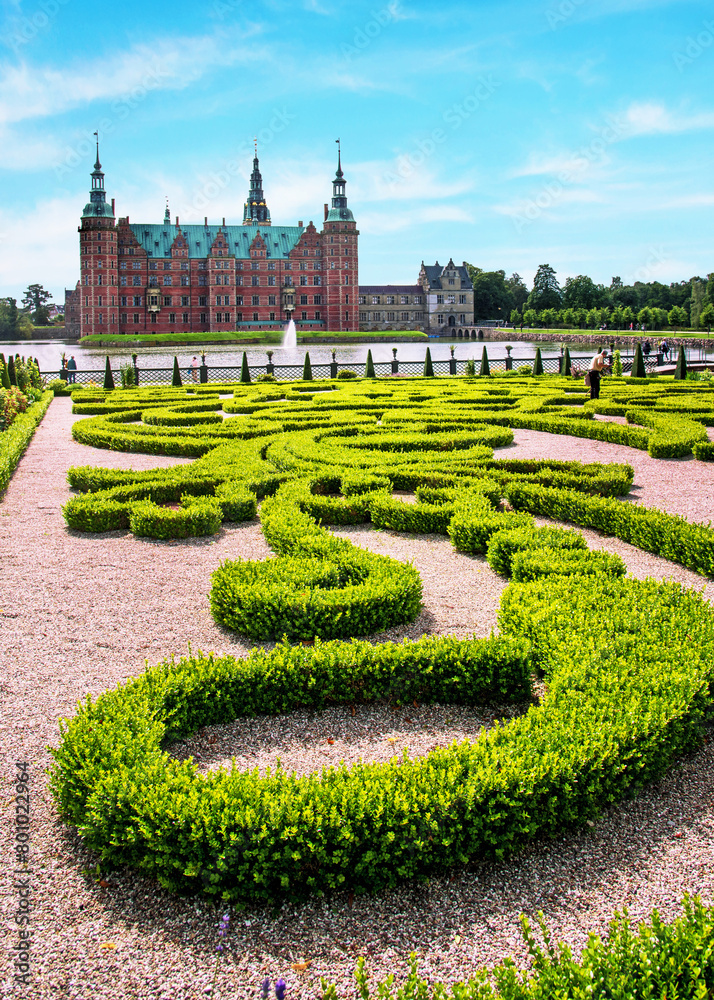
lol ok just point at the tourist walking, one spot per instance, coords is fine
(194, 368)
(664, 350)
(646, 348)
(595, 371)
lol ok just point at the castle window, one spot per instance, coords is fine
(404, 300)
(137, 301)
(255, 280)
(303, 279)
(239, 300)
(153, 282)
(417, 300)
(303, 265)
(389, 300)
(363, 317)
(167, 265)
(99, 279)
(172, 317)
(185, 300)
(153, 317)
(451, 281)
(122, 302)
(122, 266)
(271, 279)
(168, 280)
(272, 316)
(136, 319)
(405, 317)
(255, 317)
(203, 317)
(184, 279)
(440, 300)
(451, 300)
(152, 265)
(317, 300)
(271, 300)
(462, 300)
(184, 317)
(255, 300)
(167, 300)
(375, 300)
(202, 301)
(123, 317)
(303, 315)
(271, 265)
(317, 314)
(303, 300)
(347, 279)
(122, 280)
(100, 318)
(184, 265)
(390, 317)
(361, 300)
(254, 266)
(136, 265)
(288, 266)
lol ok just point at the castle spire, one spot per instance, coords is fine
(167, 214)
(339, 211)
(97, 206)
(255, 210)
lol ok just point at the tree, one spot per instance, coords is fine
(515, 317)
(677, 317)
(9, 316)
(306, 368)
(492, 297)
(244, 369)
(369, 367)
(176, 377)
(530, 317)
(644, 317)
(567, 364)
(538, 363)
(698, 301)
(4, 377)
(428, 366)
(546, 292)
(108, 377)
(34, 299)
(680, 371)
(485, 366)
(638, 363)
(549, 318)
(518, 289)
(706, 317)
(581, 292)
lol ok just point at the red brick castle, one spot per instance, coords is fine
(141, 278)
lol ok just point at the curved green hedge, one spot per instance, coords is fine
(14, 441)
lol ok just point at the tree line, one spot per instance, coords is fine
(581, 303)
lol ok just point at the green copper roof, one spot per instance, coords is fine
(97, 210)
(157, 240)
(340, 215)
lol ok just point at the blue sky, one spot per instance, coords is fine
(571, 132)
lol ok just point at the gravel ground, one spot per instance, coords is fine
(80, 614)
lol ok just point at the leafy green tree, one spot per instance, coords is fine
(677, 317)
(36, 299)
(518, 289)
(644, 317)
(706, 317)
(530, 317)
(492, 297)
(550, 317)
(515, 318)
(593, 319)
(581, 292)
(698, 301)
(628, 317)
(9, 317)
(546, 292)
(617, 318)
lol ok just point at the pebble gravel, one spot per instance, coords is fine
(81, 613)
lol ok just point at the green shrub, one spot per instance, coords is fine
(195, 517)
(474, 522)
(346, 373)
(530, 564)
(357, 483)
(704, 451)
(506, 544)
(16, 438)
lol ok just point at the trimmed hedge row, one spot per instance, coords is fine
(14, 441)
(322, 586)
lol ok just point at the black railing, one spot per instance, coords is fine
(552, 365)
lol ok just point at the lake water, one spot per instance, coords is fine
(49, 353)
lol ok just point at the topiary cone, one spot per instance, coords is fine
(244, 369)
(638, 364)
(538, 363)
(11, 374)
(428, 367)
(485, 366)
(307, 369)
(567, 365)
(680, 371)
(108, 377)
(4, 377)
(369, 369)
(176, 377)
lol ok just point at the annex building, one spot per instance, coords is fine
(442, 301)
(145, 277)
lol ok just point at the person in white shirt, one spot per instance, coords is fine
(596, 366)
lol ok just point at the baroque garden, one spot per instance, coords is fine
(604, 713)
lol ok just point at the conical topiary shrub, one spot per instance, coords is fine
(485, 366)
(11, 374)
(369, 369)
(681, 370)
(638, 364)
(538, 363)
(4, 377)
(307, 369)
(428, 367)
(108, 377)
(567, 364)
(244, 369)
(176, 377)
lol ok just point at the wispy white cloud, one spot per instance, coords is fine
(171, 64)
(655, 119)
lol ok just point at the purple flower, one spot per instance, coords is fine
(266, 989)
(280, 988)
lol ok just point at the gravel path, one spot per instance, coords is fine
(80, 614)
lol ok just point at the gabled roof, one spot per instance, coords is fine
(158, 240)
(435, 272)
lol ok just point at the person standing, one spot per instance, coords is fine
(71, 369)
(194, 368)
(596, 366)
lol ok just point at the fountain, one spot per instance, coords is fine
(290, 337)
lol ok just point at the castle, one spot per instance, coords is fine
(139, 278)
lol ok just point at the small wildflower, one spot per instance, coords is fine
(280, 988)
(265, 989)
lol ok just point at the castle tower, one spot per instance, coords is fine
(339, 249)
(255, 210)
(98, 261)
